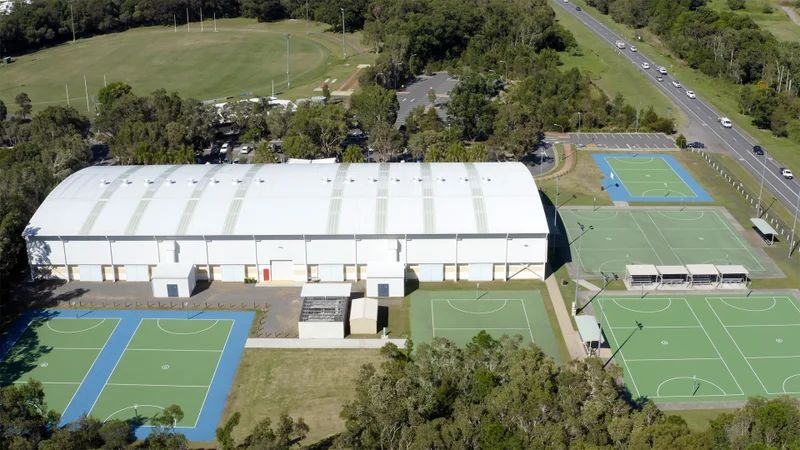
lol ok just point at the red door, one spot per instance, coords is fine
(266, 274)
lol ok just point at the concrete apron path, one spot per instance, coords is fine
(321, 343)
(571, 337)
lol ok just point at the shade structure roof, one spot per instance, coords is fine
(641, 269)
(762, 225)
(732, 269)
(588, 328)
(293, 199)
(327, 290)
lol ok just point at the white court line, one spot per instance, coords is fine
(741, 392)
(525, 311)
(672, 359)
(645, 237)
(705, 248)
(53, 382)
(480, 328)
(693, 396)
(619, 349)
(793, 302)
(157, 385)
(77, 348)
(773, 357)
(660, 327)
(473, 300)
(737, 346)
(736, 236)
(108, 338)
(115, 366)
(227, 339)
(663, 237)
(764, 325)
(170, 350)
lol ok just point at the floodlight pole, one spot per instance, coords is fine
(215, 22)
(288, 82)
(579, 122)
(555, 209)
(136, 410)
(86, 88)
(541, 162)
(175, 22)
(307, 32)
(201, 20)
(186, 304)
(578, 264)
(75, 308)
(105, 83)
(67, 88)
(602, 300)
(344, 44)
(188, 25)
(794, 224)
(761, 187)
(72, 15)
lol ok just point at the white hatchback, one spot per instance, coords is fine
(662, 71)
(690, 94)
(645, 65)
(676, 83)
(633, 48)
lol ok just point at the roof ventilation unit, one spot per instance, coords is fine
(103, 182)
(260, 180)
(440, 179)
(192, 181)
(395, 180)
(147, 181)
(372, 180)
(486, 179)
(126, 182)
(170, 181)
(351, 180)
(463, 179)
(235, 180)
(417, 179)
(325, 180)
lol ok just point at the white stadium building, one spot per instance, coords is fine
(281, 222)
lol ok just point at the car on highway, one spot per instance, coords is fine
(660, 78)
(786, 173)
(662, 71)
(676, 83)
(758, 150)
(577, 8)
(691, 94)
(695, 144)
(633, 48)
(725, 122)
(645, 65)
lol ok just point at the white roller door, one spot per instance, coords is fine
(137, 273)
(481, 272)
(331, 272)
(91, 272)
(281, 270)
(431, 272)
(233, 273)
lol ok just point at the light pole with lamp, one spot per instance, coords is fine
(541, 162)
(555, 209)
(72, 16)
(606, 278)
(761, 188)
(288, 81)
(560, 126)
(579, 122)
(794, 224)
(307, 32)
(344, 44)
(578, 267)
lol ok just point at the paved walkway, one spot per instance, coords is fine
(568, 165)
(792, 15)
(571, 337)
(321, 343)
(588, 285)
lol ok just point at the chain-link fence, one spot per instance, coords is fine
(780, 224)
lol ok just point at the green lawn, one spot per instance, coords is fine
(611, 72)
(698, 419)
(721, 94)
(242, 57)
(776, 22)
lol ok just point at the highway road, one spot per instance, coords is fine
(738, 145)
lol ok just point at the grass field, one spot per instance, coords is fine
(610, 73)
(705, 348)
(662, 237)
(776, 22)
(130, 365)
(648, 177)
(313, 384)
(241, 57)
(460, 315)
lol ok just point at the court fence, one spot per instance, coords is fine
(750, 195)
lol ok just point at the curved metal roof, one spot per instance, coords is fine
(293, 199)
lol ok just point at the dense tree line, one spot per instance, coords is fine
(726, 45)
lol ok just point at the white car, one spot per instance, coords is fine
(225, 147)
(725, 122)
(690, 94)
(786, 173)
(662, 71)
(660, 78)
(245, 149)
(645, 65)
(676, 83)
(633, 48)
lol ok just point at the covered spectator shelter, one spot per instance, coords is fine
(640, 275)
(589, 331)
(702, 274)
(673, 276)
(733, 275)
(764, 229)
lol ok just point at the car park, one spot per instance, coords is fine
(645, 65)
(676, 83)
(786, 173)
(725, 122)
(758, 150)
(691, 94)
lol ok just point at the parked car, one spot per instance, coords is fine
(695, 144)
(645, 65)
(245, 149)
(225, 147)
(725, 122)
(691, 94)
(676, 83)
(786, 173)
(758, 150)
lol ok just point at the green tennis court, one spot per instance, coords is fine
(705, 348)
(649, 177)
(615, 237)
(460, 315)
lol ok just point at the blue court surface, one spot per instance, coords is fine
(130, 365)
(640, 177)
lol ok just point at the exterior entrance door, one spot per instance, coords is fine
(383, 290)
(172, 290)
